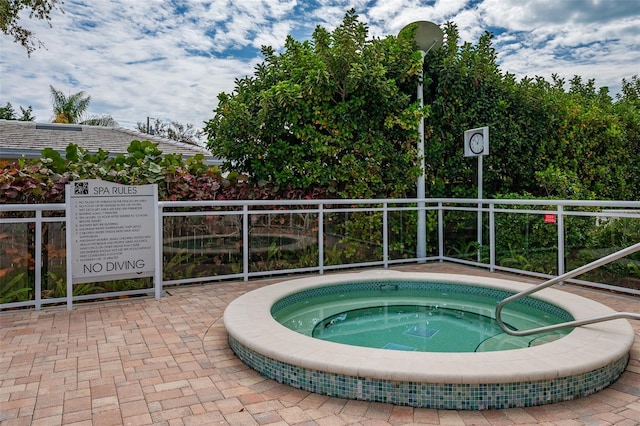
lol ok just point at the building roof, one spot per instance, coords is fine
(28, 139)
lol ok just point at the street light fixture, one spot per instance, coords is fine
(428, 36)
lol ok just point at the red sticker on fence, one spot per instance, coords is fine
(549, 218)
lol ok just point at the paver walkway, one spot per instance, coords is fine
(167, 362)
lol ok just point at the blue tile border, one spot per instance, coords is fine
(433, 395)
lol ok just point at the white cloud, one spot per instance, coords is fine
(170, 59)
(592, 38)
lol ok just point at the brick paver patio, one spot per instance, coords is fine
(167, 362)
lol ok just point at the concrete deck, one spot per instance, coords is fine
(167, 362)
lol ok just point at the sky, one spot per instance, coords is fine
(169, 59)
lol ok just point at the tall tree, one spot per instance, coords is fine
(333, 111)
(630, 90)
(338, 111)
(10, 11)
(8, 113)
(545, 140)
(68, 109)
(627, 108)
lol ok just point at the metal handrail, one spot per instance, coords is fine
(571, 274)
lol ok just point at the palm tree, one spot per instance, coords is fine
(68, 110)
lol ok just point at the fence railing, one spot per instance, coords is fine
(212, 241)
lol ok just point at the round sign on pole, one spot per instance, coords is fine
(427, 35)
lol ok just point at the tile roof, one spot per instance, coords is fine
(28, 139)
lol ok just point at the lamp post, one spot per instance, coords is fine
(427, 36)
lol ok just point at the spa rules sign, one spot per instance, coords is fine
(111, 230)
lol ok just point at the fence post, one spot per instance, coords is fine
(561, 265)
(321, 238)
(159, 221)
(245, 242)
(492, 237)
(69, 244)
(38, 260)
(385, 236)
(440, 232)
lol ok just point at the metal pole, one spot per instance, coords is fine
(421, 248)
(479, 205)
(245, 242)
(385, 235)
(321, 239)
(561, 249)
(157, 275)
(492, 237)
(69, 222)
(440, 231)
(38, 260)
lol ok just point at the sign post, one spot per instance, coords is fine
(476, 144)
(111, 232)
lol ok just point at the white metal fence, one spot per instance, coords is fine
(212, 241)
